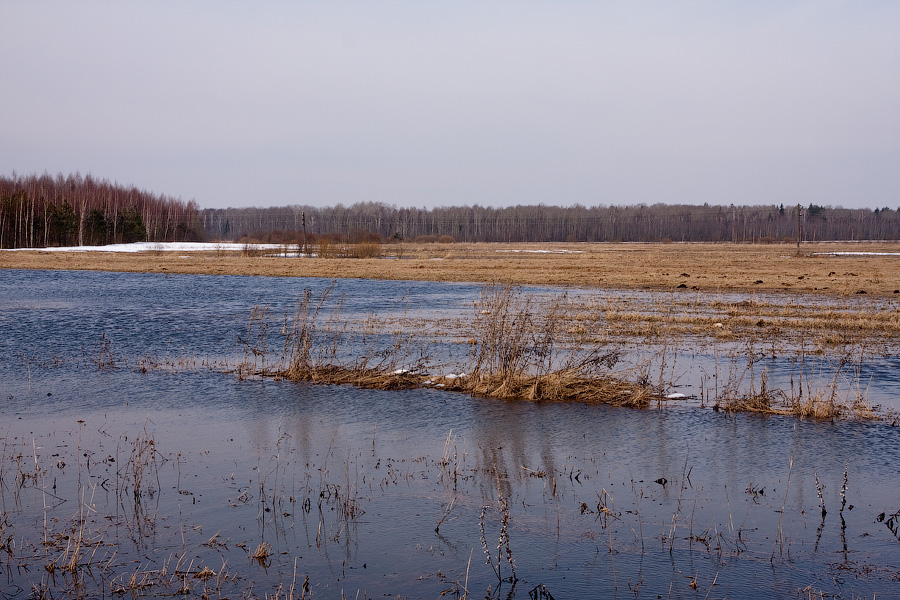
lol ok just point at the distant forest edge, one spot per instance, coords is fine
(542, 223)
(39, 211)
(45, 211)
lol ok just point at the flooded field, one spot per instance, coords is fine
(133, 465)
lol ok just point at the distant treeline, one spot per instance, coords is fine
(40, 211)
(640, 223)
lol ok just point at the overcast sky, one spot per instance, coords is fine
(429, 103)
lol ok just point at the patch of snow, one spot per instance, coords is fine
(546, 251)
(161, 247)
(676, 396)
(856, 254)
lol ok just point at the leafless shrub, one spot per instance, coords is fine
(366, 249)
(327, 248)
(251, 250)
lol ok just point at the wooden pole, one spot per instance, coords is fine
(303, 220)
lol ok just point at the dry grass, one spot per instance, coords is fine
(705, 267)
(522, 348)
(811, 395)
(262, 555)
(517, 354)
(559, 386)
(821, 405)
(316, 340)
(823, 323)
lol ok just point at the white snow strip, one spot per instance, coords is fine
(546, 251)
(856, 254)
(161, 247)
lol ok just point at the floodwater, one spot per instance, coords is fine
(384, 494)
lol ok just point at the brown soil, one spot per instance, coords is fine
(705, 267)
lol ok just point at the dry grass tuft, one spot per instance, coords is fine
(317, 352)
(262, 555)
(518, 355)
(557, 387)
(813, 396)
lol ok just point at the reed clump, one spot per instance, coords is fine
(831, 400)
(517, 354)
(557, 387)
(756, 402)
(320, 352)
(810, 396)
(327, 248)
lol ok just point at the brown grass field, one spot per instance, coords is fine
(703, 267)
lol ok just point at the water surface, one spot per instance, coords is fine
(347, 487)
